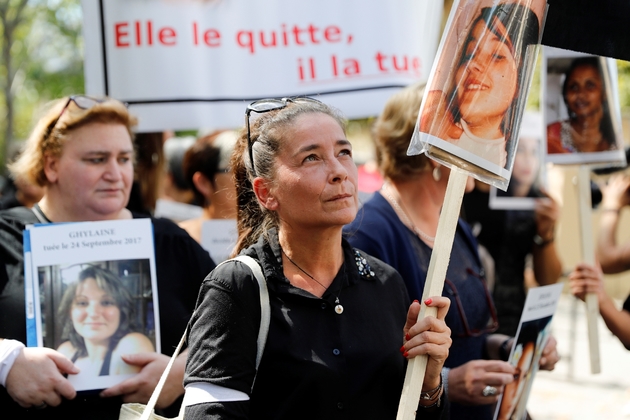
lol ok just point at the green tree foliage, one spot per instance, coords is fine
(42, 60)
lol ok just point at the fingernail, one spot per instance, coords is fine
(416, 301)
(428, 301)
(407, 337)
(405, 354)
(402, 349)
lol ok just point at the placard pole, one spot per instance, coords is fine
(588, 256)
(434, 284)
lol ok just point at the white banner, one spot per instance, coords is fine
(188, 64)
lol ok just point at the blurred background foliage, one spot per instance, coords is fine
(41, 59)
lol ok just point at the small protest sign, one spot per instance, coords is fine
(91, 294)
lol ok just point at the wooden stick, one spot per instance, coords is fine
(588, 256)
(434, 284)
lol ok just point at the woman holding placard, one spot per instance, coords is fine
(338, 316)
(478, 108)
(398, 225)
(81, 152)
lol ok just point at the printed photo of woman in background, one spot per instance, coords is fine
(99, 325)
(528, 171)
(479, 87)
(580, 125)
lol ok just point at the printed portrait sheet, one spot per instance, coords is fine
(530, 340)
(477, 88)
(91, 294)
(529, 173)
(581, 109)
(218, 237)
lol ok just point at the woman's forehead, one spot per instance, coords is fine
(311, 126)
(585, 69)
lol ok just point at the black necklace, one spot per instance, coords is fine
(338, 306)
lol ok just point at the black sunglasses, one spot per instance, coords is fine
(81, 101)
(266, 105)
(492, 325)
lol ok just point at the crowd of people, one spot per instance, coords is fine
(345, 277)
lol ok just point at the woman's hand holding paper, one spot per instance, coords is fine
(467, 382)
(36, 378)
(140, 387)
(550, 355)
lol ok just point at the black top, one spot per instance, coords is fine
(107, 360)
(508, 235)
(317, 364)
(181, 264)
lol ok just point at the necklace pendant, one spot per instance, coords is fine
(338, 307)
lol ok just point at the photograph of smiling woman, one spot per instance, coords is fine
(478, 86)
(98, 321)
(582, 112)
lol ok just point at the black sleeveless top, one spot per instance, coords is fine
(106, 361)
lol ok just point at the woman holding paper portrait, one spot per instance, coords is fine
(338, 316)
(479, 107)
(398, 225)
(98, 321)
(589, 127)
(81, 151)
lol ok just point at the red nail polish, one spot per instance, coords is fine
(405, 354)
(402, 349)
(416, 301)
(407, 337)
(428, 301)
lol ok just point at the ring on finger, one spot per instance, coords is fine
(41, 406)
(489, 391)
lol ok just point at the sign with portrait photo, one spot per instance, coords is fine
(529, 342)
(477, 88)
(91, 294)
(581, 108)
(528, 171)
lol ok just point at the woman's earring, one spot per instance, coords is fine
(437, 173)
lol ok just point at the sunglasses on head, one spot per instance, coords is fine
(266, 105)
(80, 101)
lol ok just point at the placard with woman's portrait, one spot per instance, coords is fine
(581, 108)
(478, 86)
(91, 295)
(529, 175)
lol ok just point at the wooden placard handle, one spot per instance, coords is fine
(588, 256)
(434, 284)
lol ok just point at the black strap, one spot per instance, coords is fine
(37, 211)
